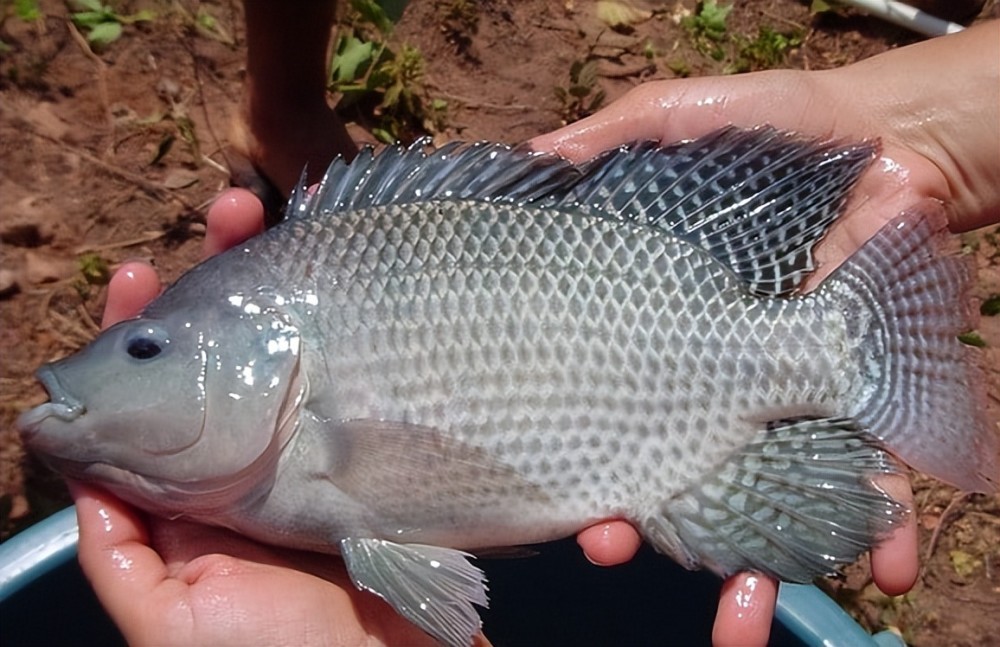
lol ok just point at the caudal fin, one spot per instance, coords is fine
(907, 299)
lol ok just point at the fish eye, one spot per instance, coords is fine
(146, 343)
(143, 348)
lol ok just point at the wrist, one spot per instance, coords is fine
(938, 99)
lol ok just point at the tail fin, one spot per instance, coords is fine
(908, 301)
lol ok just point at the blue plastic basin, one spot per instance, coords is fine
(38, 569)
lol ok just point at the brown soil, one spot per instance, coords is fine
(80, 134)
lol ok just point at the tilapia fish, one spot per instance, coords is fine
(482, 346)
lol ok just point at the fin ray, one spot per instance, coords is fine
(905, 298)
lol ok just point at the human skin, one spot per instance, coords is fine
(933, 146)
(288, 122)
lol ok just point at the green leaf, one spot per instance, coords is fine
(964, 563)
(90, 19)
(819, 6)
(713, 16)
(91, 5)
(991, 306)
(106, 32)
(393, 8)
(163, 148)
(616, 13)
(972, 339)
(373, 13)
(353, 58)
(383, 136)
(27, 10)
(94, 268)
(142, 16)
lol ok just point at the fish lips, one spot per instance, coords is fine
(62, 405)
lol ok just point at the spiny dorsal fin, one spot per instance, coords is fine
(756, 200)
(456, 171)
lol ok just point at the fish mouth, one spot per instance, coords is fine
(62, 405)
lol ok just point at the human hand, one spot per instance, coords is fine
(932, 147)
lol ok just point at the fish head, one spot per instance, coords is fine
(182, 411)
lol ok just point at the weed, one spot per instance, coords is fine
(766, 51)
(103, 24)
(373, 78)
(972, 338)
(620, 16)
(93, 270)
(27, 10)
(679, 67)
(583, 96)
(707, 28)
(459, 22)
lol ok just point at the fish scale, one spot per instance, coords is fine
(423, 358)
(483, 346)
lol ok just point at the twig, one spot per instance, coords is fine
(625, 72)
(499, 107)
(955, 500)
(102, 83)
(152, 188)
(87, 319)
(149, 236)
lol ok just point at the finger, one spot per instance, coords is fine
(895, 564)
(133, 286)
(115, 556)
(669, 111)
(610, 543)
(746, 608)
(235, 216)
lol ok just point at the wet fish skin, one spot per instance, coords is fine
(488, 347)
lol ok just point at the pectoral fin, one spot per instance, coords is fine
(432, 587)
(397, 467)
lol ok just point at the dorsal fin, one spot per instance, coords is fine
(756, 200)
(457, 171)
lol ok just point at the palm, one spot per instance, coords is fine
(184, 583)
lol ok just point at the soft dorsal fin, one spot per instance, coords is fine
(756, 200)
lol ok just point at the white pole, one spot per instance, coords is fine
(906, 16)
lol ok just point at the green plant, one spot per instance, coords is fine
(583, 96)
(103, 24)
(459, 21)
(972, 338)
(766, 51)
(707, 28)
(383, 84)
(27, 10)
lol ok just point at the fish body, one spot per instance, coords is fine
(488, 347)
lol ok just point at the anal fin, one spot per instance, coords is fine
(432, 587)
(795, 503)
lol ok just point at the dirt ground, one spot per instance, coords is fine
(113, 153)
